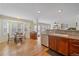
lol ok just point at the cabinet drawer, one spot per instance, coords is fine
(74, 48)
(73, 41)
(74, 54)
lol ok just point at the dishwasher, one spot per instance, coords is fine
(44, 39)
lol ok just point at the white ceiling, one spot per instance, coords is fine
(49, 11)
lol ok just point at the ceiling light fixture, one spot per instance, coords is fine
(38, 12)
(60, 10)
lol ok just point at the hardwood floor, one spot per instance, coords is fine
(28, 48)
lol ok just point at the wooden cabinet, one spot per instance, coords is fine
(58, 44)
(52, 42)
(33, 35)
(74, 47)
(62, 45)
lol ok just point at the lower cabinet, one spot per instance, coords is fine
(52, 42)
(63, 45)
(58, 44)
(74, 47)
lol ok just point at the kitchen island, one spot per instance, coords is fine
(64, 44)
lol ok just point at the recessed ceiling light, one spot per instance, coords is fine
(60, 10)
(38, 11)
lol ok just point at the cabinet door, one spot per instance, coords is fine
(52, 42)
(62, 45)
(74, 47)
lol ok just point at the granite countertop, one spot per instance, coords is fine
(66, 36)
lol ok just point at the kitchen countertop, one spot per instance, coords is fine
(66, 36)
